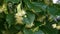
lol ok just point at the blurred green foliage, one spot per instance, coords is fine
(29, 17)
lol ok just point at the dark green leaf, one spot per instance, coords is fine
(32, 6)
(41, 5)
(49, 30)
(14, 1)
(10, 19)
(30, 18)
(52, 10)
(27, 31)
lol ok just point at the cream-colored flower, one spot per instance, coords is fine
(58, 27)
(54, 25)
(29, 25)
(19, 19)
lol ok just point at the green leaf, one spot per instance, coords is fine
(10, 19)
(37, 23)
(40, 5)
(32, 6)
(14, 1)
(49, 30)
(58, 11)
(29, 18)
(19, 27)
(27, 31)
(52, 10)
(13, 30)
